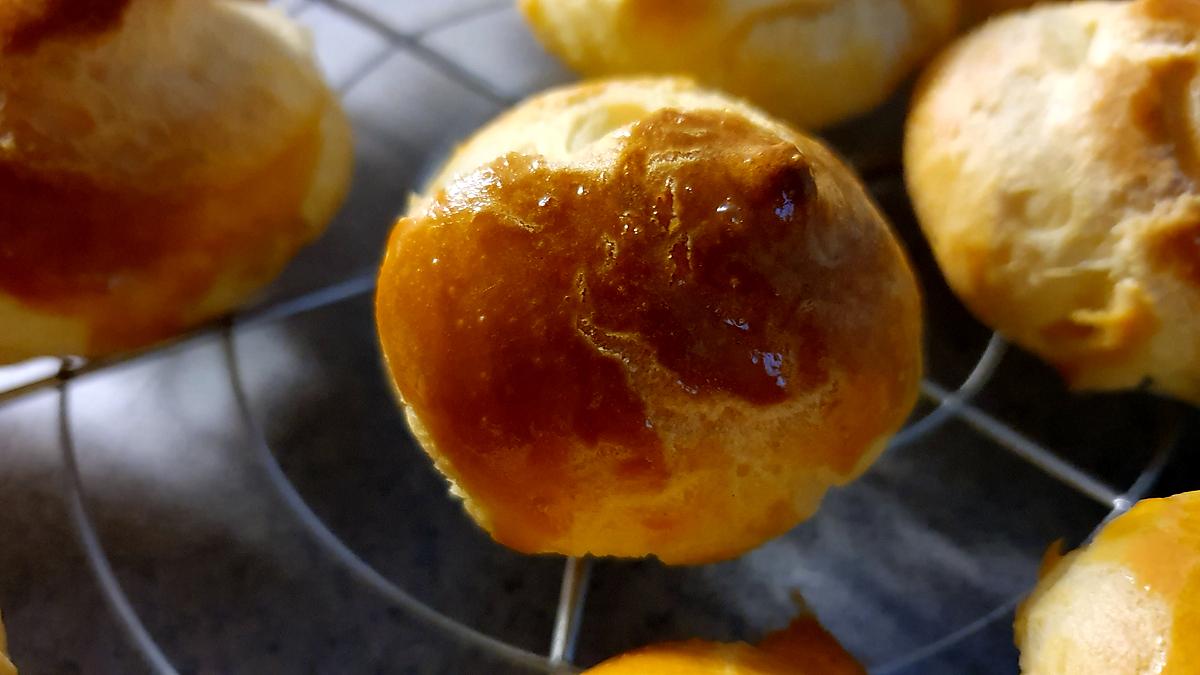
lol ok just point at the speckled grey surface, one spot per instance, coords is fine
(935, 536)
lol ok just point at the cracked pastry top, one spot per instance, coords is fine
(636, 317)
(1052, 160)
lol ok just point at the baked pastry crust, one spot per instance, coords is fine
(1129, 602)
(804, 648)
(1051, 159)
(636, 317)
(813, 62)
(160, 160)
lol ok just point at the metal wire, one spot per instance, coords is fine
(93, 550)
(947, 407)
(568, 618)
(1119, 505)
(950, 640)
(413, 44)
(1018, 444)
(357, 285)
(353, 564)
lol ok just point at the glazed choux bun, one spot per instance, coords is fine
(812, 63)
(636, 317)
(1051, 157)
(804, 648)
(160, 160)
(1128, 603)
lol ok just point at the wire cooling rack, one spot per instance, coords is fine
(356, 39)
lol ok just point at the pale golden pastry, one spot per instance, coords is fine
(1052, 160)
(804, 648)
(160, 160)
(6, 666)
(1126, 604)
(813, 62)
(636, 317)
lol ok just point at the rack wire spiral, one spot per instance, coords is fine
(948, 403)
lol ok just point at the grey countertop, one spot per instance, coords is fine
(937, 535)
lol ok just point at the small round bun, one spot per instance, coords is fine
(804, 648)
(1052, 157)
(1127, 603)
(637, 317)
(160, 160)
(811, 63)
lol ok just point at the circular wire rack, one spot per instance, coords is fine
(945, 404)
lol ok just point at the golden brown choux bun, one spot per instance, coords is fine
(6, 666)
(812, 63)
(636, 317)
(1052, 160)
(804, 648)
(160, 160)
(1128, 603)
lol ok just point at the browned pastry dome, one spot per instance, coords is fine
(1052, 161)
(636, 317)
(160, 160)
(812, 63)
(1129, 602)
(803, 648)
